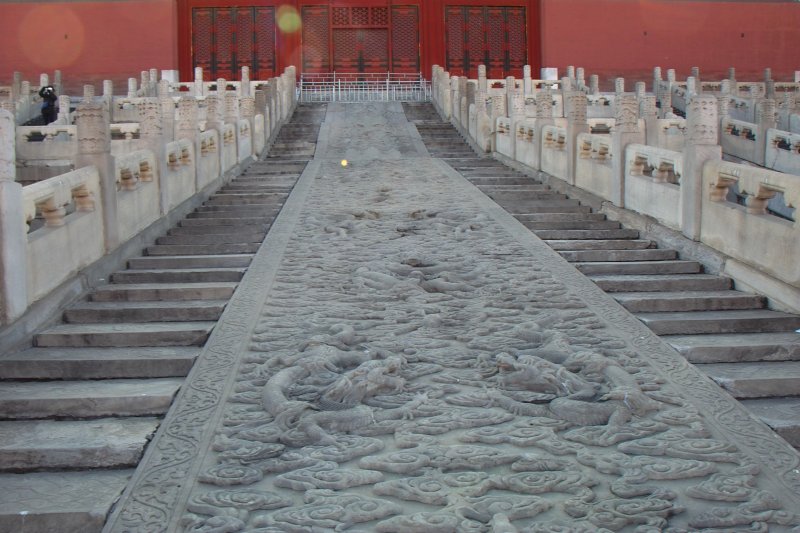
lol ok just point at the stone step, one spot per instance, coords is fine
(488, 181)
(203, 249)
(702, 322)
(193, 261)
(211, 217)
(223, 238)
(588, 234)
(160, 311)
(662, 283)
(489, 172)
(98, 363)
(661, 302)
(757, 379)
(22, 400)
(64, 502)
(200, 223)
(531, 206)
(258, 225)
(577, 224)
(591, 244)
(646, 254)
(122, 335)
(502, 197)
(561, 217)
(781, 414)
(244, 210)
(675, 266)
(143, 292)
(736, 347)
(178, 275)
(518, 211)
(246, 199)
(71, 444)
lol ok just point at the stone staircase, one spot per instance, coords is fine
(749, 350)
(78, 407)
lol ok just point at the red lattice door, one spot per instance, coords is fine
(316, 48)
(494, 36)
(225, 39)
(360, 39)
(405, 39)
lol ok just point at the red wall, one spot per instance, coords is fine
(92, 41)
(629, 37)
(87, 41)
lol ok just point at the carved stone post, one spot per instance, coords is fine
(144, 84)
(44, 80)
(263, 108)
(691, 88)
(544, 117)
(152, 136)
(696, 75)
(245, 81)
(463, 112)
(640, 90)
(153, 87)
(732, 76)
(14, 288)
(527, 81)
(649, 112)
(594, 84)
(702, 126)
(63, 109)
(131, 87)
(580, 78)
(167, 118)
(575, 106)
(566, 89)
(57, 82)
(187, 119)
(16, 86)
(231, 109)
(766, 118)
(198, 82)
(724, 101)
(88, 93)
(626, 131)
(455, 100)
(571, 74)
(248, 111)
(94, 148)
(656, 79)
(483, 82)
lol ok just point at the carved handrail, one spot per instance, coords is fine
(664, 166)
(758, 184)
(51, 197)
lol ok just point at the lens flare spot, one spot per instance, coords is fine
(51, 36)
(288, 19)
(344, 162)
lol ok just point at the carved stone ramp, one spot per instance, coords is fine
(749, 350)
(79, 406)
(403, 355)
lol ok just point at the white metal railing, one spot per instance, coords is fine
(363, 87)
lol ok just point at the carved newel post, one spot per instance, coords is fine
(198, 81)
(463, 112)
(94, 148)
(152, 136)
(262, 107)
(187, 119)
(248, 111)
(626, 131)
(702, 126)
(527, 81)
(766, 118)
(594, 84)
(576, 123)
(13, 291)
(455, 100)
(544, 117)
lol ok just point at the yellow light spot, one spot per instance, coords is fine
(344, 162)
(288, 19)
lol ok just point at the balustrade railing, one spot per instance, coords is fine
(363, 87)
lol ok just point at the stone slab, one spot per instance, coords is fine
(736, 321)
(403, 355)
(756, 380)
(654, 302)
(160, 291)
(781, 414)
(66, 444)
(733, 347)
(98, 363)
(87, 399)
(203, 261)
(120, 335)
(63, 502)
(158, 311)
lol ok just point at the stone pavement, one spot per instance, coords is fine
(403, 355)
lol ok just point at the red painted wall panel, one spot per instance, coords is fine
(629, 37)
(87, 41)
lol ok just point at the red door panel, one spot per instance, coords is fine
(405, 39)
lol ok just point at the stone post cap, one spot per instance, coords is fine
(93, 132)
(8, 166)
(702, 123)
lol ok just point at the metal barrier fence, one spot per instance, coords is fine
(363, 87)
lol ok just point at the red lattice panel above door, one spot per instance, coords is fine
(405, 39)
(375, 50)
(202, 40)
(264, 67)
(316, 56)
(454, 35)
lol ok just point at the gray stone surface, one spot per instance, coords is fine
(756, 380)
(63, 502)
(118, 335)
(73, 444)
(732, 347)
(87, 399)
(405, 356)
